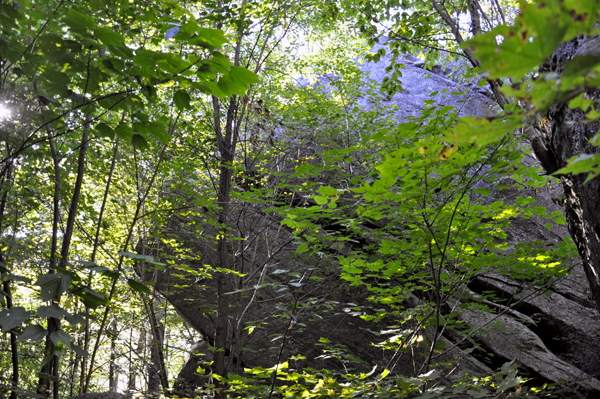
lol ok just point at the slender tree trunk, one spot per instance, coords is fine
(44, 381)
(223, 197)
(221, 332)
(133, 370)
(75, 370)
(158, 358)
(154, 377)
(227, 139)
(51, 368)
(113, 372)
(475, 18)
(14, 345)
(138, 210)
(6, 286)
(87, 337)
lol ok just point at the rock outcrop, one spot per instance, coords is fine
(289, 304)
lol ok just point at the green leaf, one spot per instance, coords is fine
(79, 351)
(513, 51)
(483, 131)
(125, 132)
(237, 81)
(221, 61)
(320, 200)
(584, 163)
(182, 100)
(510, 381)
(51, 311)
(212, 88)
(203, 37)
(160, 131)
(149, 60)
(243, 76)
(53, 285)
(328, 191)
(75, 319)
(301, 248)
(133, 256)
(581, 65)
(103, 130)
(14, 317)
(137, 286)
(139, 142)
(109, 37)
(32, 333)
(47, 359)
(483, 191)
(74, 276)
(61, 337)
(91, 298)
(78, 22)
(114, 102)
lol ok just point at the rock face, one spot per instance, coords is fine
(420, 85)
(279, 283)
(555, 335)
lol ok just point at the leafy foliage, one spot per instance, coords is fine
(157, 124)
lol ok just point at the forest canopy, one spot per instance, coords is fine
(216, 198)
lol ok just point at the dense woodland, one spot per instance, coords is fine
(197, 179)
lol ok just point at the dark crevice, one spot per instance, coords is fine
(560, 338)
(486, 355)
(586, 303)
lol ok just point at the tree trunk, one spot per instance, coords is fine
(154, 385)
(159, 369)
(6, 286)
(113, 371)
(133, 371)
(569, 137)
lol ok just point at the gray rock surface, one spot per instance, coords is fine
(420, 85)
(569, 328)
(506, 337)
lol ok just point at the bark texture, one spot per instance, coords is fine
(569, 137)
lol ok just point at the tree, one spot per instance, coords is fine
(558, 44)
(96, 80)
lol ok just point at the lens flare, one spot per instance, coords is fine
(4, 111)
